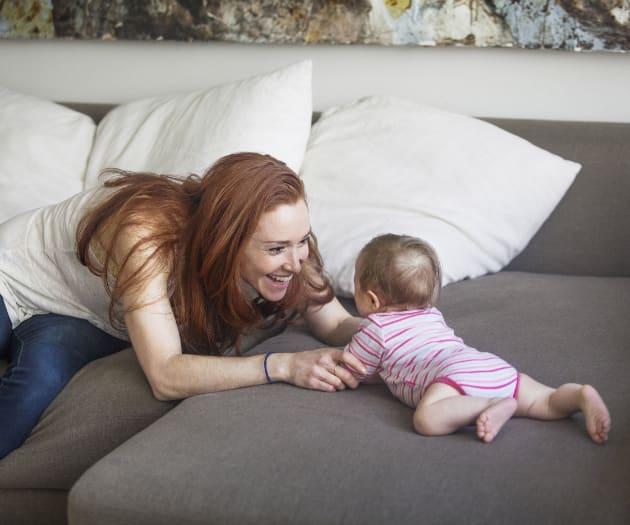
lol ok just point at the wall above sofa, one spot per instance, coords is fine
(516, 83)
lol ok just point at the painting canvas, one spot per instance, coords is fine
(577, 25)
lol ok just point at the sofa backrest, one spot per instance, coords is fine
(589, 232)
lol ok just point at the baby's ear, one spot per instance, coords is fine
(375, 301)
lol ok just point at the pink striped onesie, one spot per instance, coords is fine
(413, 349)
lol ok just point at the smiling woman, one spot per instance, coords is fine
(178, 267)
(215, 237)
(270, 263)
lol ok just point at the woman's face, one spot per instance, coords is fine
(274, 254)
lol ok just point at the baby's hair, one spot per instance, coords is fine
(403, 270)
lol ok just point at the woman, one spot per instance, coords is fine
(179, 269)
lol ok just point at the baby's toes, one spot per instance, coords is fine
(486, 435)
(482, 426)
(600, 428)
(600, 435)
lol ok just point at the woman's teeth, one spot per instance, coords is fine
(279, 278)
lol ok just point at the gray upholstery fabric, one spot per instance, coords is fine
(278, 454)
(103, 405)
(33, 507)
(96, 111)
(106, 403)
(588, 232)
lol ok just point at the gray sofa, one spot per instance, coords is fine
(106, 452)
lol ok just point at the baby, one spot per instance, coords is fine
(407, 342)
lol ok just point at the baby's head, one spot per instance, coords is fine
(396, 272)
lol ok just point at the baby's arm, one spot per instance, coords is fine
(366, 347)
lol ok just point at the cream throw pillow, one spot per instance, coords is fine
(476, 193)
(44, 150)
(186, 133)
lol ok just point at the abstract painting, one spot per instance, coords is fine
(576, 25)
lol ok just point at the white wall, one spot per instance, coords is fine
(489, 82)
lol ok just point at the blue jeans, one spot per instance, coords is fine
(44, 352)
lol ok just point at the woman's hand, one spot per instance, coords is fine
(323, 369)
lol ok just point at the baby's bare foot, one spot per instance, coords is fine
(595, 414)
(494, 417)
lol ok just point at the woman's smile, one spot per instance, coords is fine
(275, 252)
(283, 279)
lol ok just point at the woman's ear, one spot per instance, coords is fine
(375, 302)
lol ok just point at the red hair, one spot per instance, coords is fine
(196, 230)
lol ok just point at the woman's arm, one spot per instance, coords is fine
(174, 375)
(332, 323)
(154, 334)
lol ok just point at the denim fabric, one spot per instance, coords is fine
(44, 352)
(5, 330)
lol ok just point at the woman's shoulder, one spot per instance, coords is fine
(135, 244)
(125, 226)
(55, 223)
(124, 235)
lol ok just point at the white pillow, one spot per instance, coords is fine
(476, 193)
(44, 149)
(186, 133)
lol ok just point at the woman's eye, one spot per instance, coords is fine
(303, 241)
(276, 250)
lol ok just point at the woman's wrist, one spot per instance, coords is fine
(278, 367)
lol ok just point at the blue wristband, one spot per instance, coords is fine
(265, 366)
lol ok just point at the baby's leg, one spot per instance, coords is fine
(538, 401)
(443, 410)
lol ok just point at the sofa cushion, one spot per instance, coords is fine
(279, 454)
(33, 507)
(104, 404)
(186, 133)
(476, 193)
(44, 149)
(581, 237)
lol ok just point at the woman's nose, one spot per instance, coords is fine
(293, 262)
